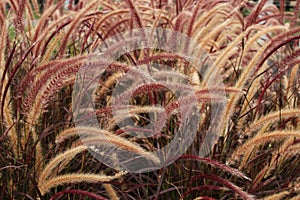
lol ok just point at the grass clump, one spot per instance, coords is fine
(253, 46)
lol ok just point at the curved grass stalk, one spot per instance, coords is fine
(247, 154)
(247, 72)
(122, 143)
(181, 21)
(278, 196)
(111, 191)
(226, 183)
(52, 46)
(204, 18)
(33, 78)
(92, 136)
(253, 89)
(214, 163)
(263, 139)
(43, 96)
(255, 13)
(42, 22)
(110, 31)
(48, 82)
(161, 14)
(111, 14)
(53, 82)
(222, 58)
(76, 178)
(271, 118)
(230, 50)
(285, 151)
(71, 132)
(206, 30)
(227, 34)
(68, 154)
(7, 110)
(75, 23)
(135, 15)
(221, 27)
(133, 110)
(52, 28)
(109, 83)
(261, 32)
(291, 151)
(217, 30)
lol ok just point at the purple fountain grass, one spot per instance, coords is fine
(253, 46)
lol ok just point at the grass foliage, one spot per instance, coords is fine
(254, 46)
